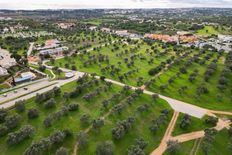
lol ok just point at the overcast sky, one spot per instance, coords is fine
(80, 4)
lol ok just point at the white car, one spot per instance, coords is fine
(4, 95)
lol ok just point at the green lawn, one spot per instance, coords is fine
(219, 145)
(195, 125)
(208, 30)
(186, 148)
(211, 30)
(48, 72)
(4, 86)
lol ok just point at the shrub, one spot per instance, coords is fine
(12, 121)
(57, 137)
(3, 114)
(183, 70)
(211, 120)
(50, 103)
(18, 136)
(57, 91)
(173, 146)
(62, 151)
(82, 139)
(185, 122)
(122, 127)
(3, 130)
(48, 122)
(20, 106)
(105, 148)
(85, 119)
(138, 147)
(98, 123)
(33, 113)
(73, 107)
(44, 144)
(37, 148)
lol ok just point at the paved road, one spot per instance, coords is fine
(27, 95)
(11, 95)
(30, 49)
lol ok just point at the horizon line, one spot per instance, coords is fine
(111, 8)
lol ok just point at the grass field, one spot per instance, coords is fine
(195, 125)
(4, 86)
(208, 30)
(218, 146)
(140, 67)
(211, 30)
(48, 72)
(215, 99)
(93, 109)
(186, 148)
(85, 40)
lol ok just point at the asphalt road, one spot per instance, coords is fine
(31, 92)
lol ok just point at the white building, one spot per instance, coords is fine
(122, 33)
(26, 76)
(5, 60)
(93, 28)
(56, 51)
(5, 30)
(225, 38)
(3, 71)
(107, 30)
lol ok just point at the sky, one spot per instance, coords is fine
(83, 4)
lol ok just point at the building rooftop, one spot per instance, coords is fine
(5, 59)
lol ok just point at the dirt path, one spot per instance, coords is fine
(186, 137)
(189, 136)
(194, 147)
(199, 134)
(75, 148)
(198, 146)
(163, 145)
